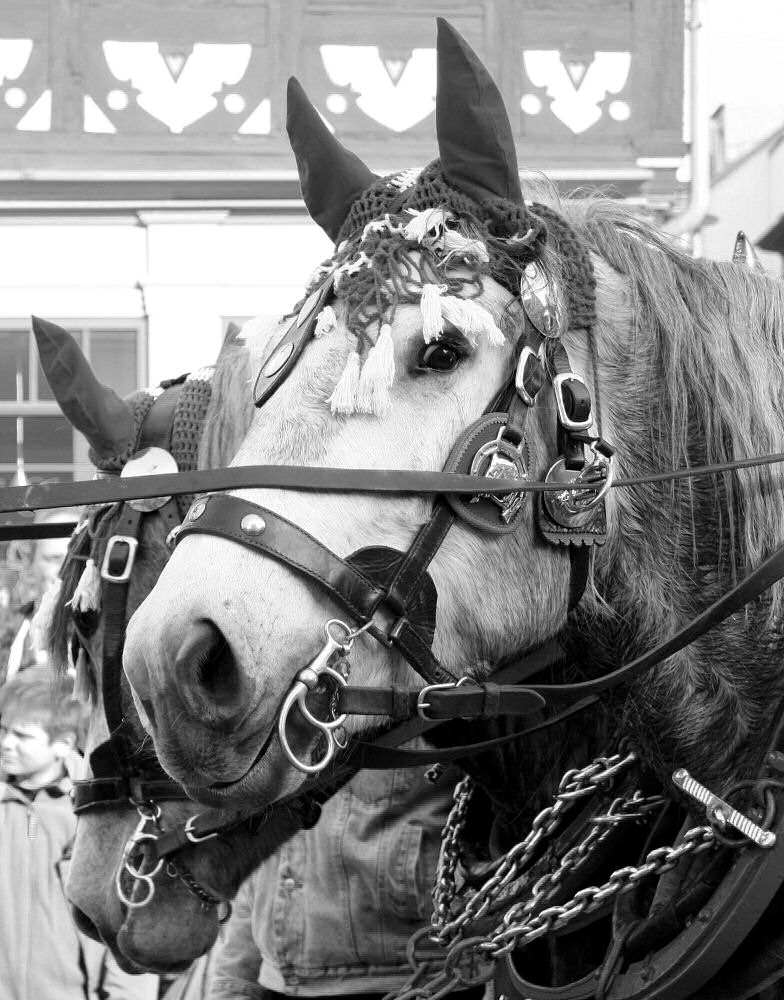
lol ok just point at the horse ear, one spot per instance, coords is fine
(331, 177)
(91, 407)
(475, 139)
(744, 253)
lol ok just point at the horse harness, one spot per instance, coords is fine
(392, 597)
(121, 772)
(391, 594)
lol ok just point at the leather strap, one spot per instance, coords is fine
(296, 477)
(352, 589)
(157, 427)
(284, 541)
(118, 791)
(749, 589)
(468, 701)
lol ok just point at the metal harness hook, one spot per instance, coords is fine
(308, 679)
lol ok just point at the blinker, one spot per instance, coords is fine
(484, 451)
(284, 355)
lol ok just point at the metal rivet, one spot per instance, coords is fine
(197, 510)
(253, 524)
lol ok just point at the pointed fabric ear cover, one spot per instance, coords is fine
(97, 411)
(330, 176)
(474, 134)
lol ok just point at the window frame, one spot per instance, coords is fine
(80, 467)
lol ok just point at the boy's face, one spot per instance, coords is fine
(28, 755)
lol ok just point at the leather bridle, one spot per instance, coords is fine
(122, 770)
(390, 594)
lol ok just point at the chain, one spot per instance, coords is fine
(575, 784)
(176, 870)
(510, 935)
(620, 810)
(450, 855)
(657, 862)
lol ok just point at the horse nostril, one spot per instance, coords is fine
(208, 673)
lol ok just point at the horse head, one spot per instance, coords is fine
(157, 922)
(458, 326)
(418, 333)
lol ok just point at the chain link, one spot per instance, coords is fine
(657, 862)
(525, 920)
(575, 784)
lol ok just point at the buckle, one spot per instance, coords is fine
(528, 383)
(558, 387)
(422, 705)
(106, 570)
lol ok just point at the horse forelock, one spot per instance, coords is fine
(230, 410)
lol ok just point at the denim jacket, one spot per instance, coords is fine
(332, 911)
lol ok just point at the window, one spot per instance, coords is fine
(31, 424)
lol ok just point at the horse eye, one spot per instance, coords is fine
(440, 357)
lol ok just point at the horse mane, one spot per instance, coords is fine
(230, 411)
(689, 373)
(708, 337)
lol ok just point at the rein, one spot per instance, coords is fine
(14, 499)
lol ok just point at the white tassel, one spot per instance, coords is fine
(377, 376)
(472, 319)
(43, 619)
(83, 688)
(423, 224)
(432, 318)
(381, 225)
(87, 595)
(525, 238)
(343, 399)
(455, 243)
(326, 321)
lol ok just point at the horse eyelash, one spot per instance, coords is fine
(449, 338)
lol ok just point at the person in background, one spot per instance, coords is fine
(37, 578)
(42, 954)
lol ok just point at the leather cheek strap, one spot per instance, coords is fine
(354, 590)
(264, 531)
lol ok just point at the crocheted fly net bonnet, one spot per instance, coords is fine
(429, 236)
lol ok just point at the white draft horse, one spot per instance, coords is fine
(443, 286)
